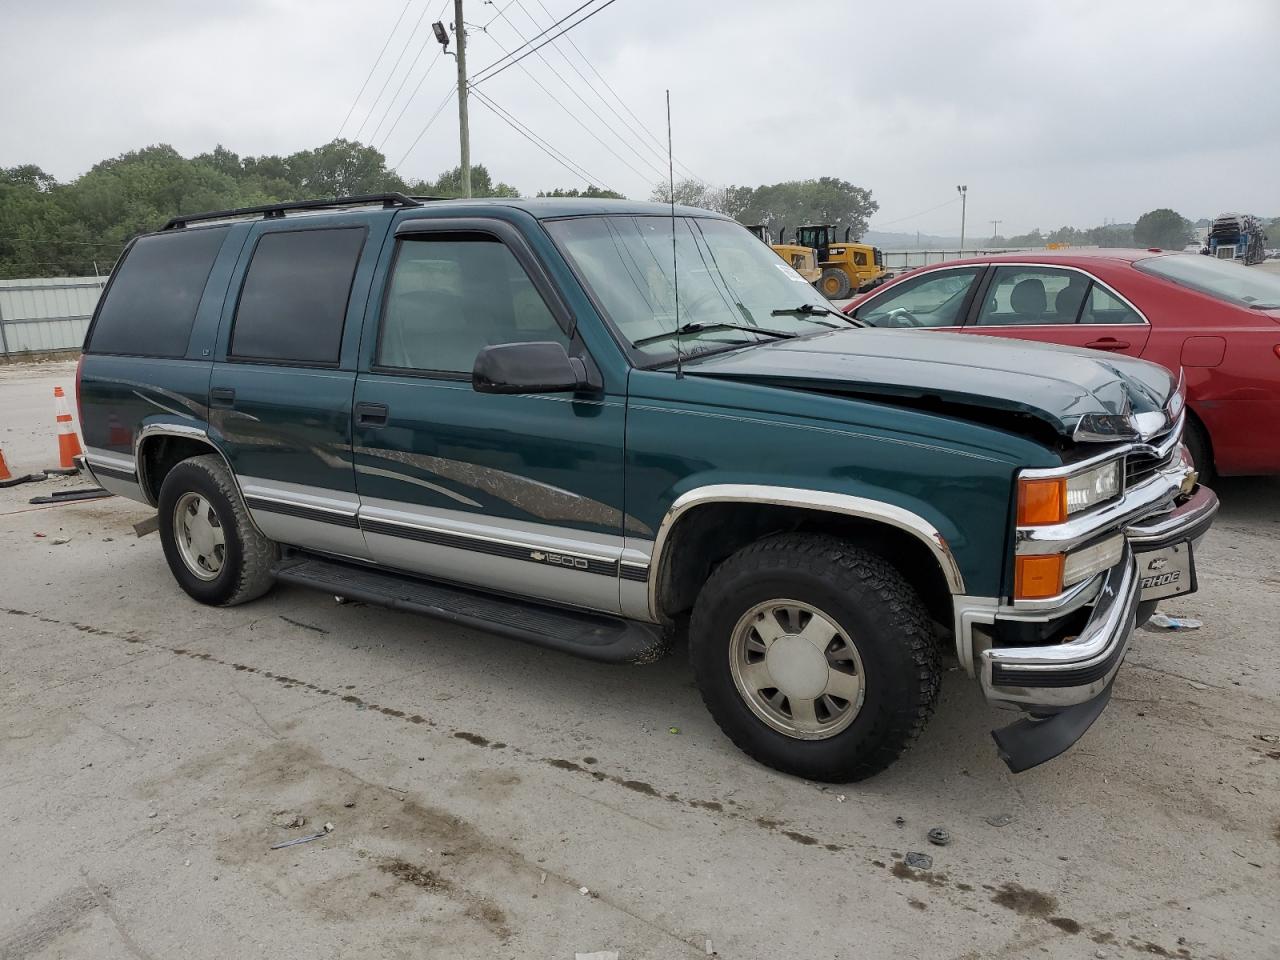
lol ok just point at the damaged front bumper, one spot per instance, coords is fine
(1063, 685)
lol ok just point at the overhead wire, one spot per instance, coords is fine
(396, 122)
(392, 72)
(407, 74)
(658, 144)
(505, 56)
(489, 73)
(528, 133)
(573, 116)
(377, 60)
(621, 139)
(880, 224)
(427, 126)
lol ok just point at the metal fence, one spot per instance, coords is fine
(41, 315)
(900, 260)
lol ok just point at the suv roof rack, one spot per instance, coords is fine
(271, 211)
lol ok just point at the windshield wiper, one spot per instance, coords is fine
(1264, 306)
(811, 310)
(696, 327)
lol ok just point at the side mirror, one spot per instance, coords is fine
(539, 367)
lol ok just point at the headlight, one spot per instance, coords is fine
(1050, 500)
(1088, 489)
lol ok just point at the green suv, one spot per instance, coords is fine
(599, 425)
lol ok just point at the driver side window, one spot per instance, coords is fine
(930, 300)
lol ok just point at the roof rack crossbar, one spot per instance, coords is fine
(273, 210)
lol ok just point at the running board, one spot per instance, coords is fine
(593, 636)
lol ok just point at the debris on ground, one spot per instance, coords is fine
(711, 951)
(1267, 737)
(349, 804)
(1166, 622)
(585, 891)
(674, 730)
(149, 525)
(68, 496)
(288, 820)
(900, 821)
(841, 798)
(328, 827)
(919, 861)
(597, 955)
(999, 819)
(41, 535)
(298, 840)
(1197, 685)
(151, 815)
(939, 837)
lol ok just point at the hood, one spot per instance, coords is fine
(1078, 394)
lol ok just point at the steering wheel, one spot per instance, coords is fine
(694, 307)
(903, 317)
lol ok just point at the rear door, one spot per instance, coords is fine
(519, 494)
(1057, 305)
(280, 394)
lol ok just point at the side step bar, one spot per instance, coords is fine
(593, 636)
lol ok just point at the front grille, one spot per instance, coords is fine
(1140, 466)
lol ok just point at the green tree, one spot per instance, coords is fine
(449, 184)
(1162, 228)
(592, 191)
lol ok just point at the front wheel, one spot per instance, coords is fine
(834, 283)
(814, 656)
(215, 552)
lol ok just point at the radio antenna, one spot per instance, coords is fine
(675, 261)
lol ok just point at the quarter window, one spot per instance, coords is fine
(294, 299)
(1103, 306)
(151, 304)
(929, 300)
(452, 296)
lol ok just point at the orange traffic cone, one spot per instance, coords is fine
(68, 441)
(4, 468)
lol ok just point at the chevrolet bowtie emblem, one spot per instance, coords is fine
(1159, 563)
(537, 555)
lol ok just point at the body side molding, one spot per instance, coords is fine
(846, 504)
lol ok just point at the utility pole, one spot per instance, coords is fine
(464, 126)
(995, 228)
(964, 200)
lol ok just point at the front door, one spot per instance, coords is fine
(520, 494)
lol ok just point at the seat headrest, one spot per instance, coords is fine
(1028, 296)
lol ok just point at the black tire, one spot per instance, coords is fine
(247, 556)
(838, 287)
(1197, 442)
(871, 603)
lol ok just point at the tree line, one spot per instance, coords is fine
(49, 229)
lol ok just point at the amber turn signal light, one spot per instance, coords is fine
(1039, 577)
(1042, 501)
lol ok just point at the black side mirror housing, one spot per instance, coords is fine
(537, 367)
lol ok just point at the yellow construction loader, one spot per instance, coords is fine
(845, 267)
(803, 260)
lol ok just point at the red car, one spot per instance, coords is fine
(1218, 322)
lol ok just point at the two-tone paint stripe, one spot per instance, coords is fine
(507, 549)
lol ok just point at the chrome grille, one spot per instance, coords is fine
(1140, 466)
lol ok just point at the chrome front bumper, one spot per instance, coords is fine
(1044, 679)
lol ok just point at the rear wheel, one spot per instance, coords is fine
(814, 656)
(213, 549)
(834, 283)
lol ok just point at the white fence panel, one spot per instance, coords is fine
(48, 313)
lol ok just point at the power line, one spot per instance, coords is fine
(660, 148)
(395, 123)
(407, 74)
(377, 60)
(573, 116)
(550, 28)
(394, 67)
(527, 132)
(621, 139)
(579, 22)
(427, 126)
(881, 224)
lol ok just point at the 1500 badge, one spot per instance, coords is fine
(559, 560)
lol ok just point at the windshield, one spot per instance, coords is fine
(730, 283)
(1221, 279)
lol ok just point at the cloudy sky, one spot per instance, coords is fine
(1051, 113)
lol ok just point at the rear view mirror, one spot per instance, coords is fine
(539, 367)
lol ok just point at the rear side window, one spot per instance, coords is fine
(151, 303)
(294, 298)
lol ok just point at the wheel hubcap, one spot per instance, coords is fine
(199, 536)
(796, 669)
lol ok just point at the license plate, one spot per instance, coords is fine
(1168, 572)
